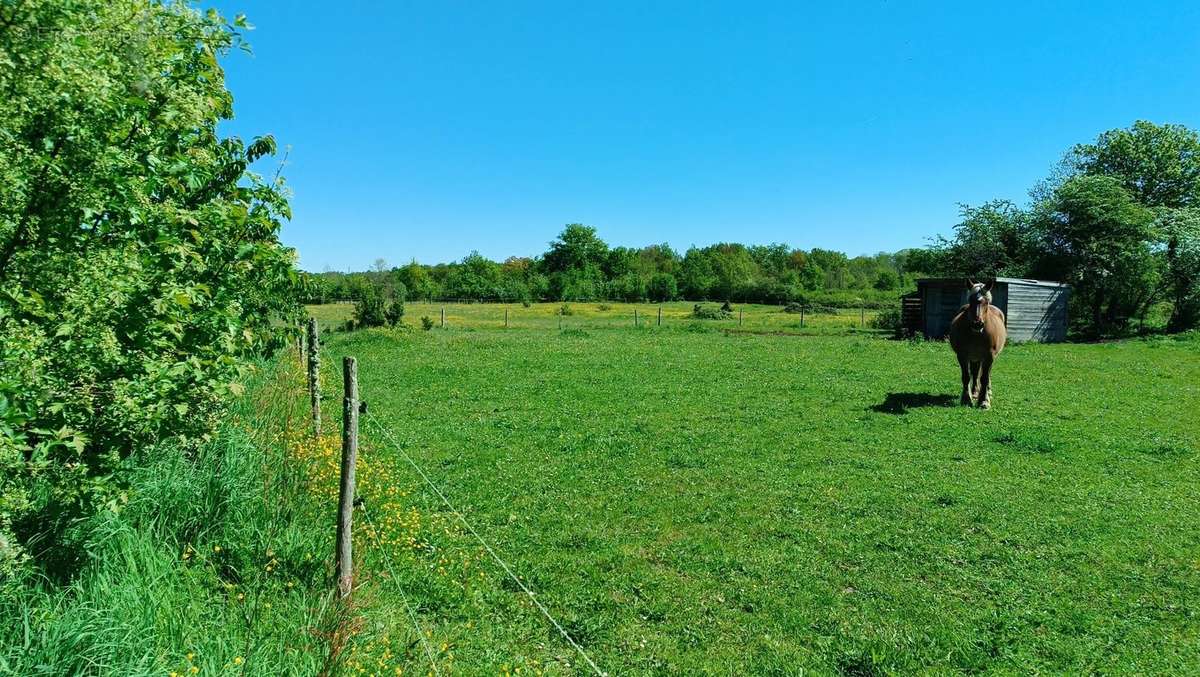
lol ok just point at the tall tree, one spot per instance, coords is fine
(1158, 164)
(1101, 238)
(1181, 230)
(992, 240)
(576, 248)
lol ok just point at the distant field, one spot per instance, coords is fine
(689, 502)
(609, 315)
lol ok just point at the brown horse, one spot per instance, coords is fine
(977, 335)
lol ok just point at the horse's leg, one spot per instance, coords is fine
(985, 384)
(965, 400)
(974, 380)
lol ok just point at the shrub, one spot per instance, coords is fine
(370, 310)
(140, 265)
(426, 322)
(889, 319)
(726, 308)
(525, 303)
(565, 309)
(794, 307)
(395, 312)
(702, 312)
(603, 307)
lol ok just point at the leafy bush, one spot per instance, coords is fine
(565, 309)
(426, 322)
(395, 312)
(726, 307)
(370, 310)
(889, 319)
(603, 307)
(139, 259)
(794, 307)
(702, 312)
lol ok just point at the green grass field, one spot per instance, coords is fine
(689, 501)
(611, 315)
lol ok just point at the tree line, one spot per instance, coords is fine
(1118, 219)
(580, 266)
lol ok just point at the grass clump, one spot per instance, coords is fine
(703, 312)
(213, 559)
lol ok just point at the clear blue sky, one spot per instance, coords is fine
(428, 130)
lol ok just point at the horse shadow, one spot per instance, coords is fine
(900, 403)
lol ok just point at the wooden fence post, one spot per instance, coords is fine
(660, 316)
(314, 375)
(862, 317)
(635, 318)
(801, 317)
(345, 560)
(443, 317)
(560, 322)
(506, 318)
(739, 317)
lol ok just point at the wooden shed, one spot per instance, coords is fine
(1035, 310)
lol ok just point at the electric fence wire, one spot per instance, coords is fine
(387, 560)
(503, 565)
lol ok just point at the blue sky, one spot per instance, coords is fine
(428, 130)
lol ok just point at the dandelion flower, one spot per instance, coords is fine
(237, 660)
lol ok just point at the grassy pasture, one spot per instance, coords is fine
(687, 501)
(611, 315)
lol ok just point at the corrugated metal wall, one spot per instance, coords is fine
(1037, 312)
(1033, 311)
(941, 305)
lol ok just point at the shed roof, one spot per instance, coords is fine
(1007, 280)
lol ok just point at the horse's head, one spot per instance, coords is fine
(979, 299)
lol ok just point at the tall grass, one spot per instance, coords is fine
(213, 561)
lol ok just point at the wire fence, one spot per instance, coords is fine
(487, 546)
(794, 318)
(386, 556)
